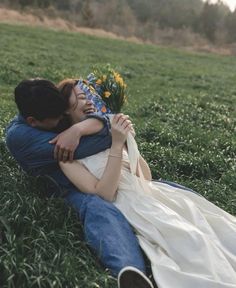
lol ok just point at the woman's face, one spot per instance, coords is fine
(79, 105)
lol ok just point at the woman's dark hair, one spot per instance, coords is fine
(66, 87)
(40, 99)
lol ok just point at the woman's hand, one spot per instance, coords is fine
(120, 127)
(66, 143)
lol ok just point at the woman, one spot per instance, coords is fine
(189, 241)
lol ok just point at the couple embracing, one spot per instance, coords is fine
(95, 159)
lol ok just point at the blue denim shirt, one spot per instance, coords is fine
(32, 150)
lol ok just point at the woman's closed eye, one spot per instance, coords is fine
(81, 96)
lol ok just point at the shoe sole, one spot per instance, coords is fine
(131, 277)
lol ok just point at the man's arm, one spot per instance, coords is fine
(67, 141)
(31, 147)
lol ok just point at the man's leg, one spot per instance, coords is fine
(107, 232)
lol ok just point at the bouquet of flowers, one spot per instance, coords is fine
(110, 85)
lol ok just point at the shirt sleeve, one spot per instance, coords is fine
(103, 118)
(31, 147)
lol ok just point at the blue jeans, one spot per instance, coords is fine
(107, 232)
(176, 185)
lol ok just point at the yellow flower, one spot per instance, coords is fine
(116, 75)
(119, 80)
(104, 78)
(107, 94)
(99, 82)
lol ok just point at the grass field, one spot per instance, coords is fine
(183, 105)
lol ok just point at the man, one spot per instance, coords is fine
(106, 230)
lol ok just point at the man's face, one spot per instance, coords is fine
(80, 106)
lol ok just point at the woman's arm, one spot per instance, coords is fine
(86, 182)
(107, 186)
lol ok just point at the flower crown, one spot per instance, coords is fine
(106, 89)
(92, 95)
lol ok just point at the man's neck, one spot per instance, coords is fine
(64, 124)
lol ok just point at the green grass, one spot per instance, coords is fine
(183, 105)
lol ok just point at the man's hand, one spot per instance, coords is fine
(66, 143)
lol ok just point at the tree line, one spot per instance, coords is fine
(144, 19)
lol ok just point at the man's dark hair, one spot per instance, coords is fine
(40, 99)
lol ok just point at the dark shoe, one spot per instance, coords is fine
(131, 277)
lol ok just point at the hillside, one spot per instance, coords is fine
(183, 105)
(193, 23)
(166, 38)
(15, 17)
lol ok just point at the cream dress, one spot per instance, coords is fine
(190, 242)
